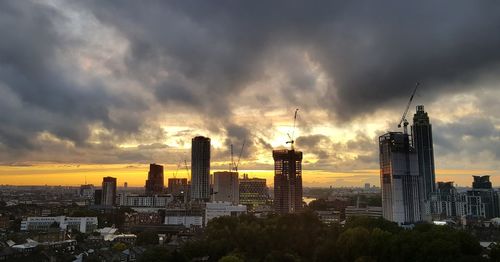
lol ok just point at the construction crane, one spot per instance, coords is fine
(292, 141)
(187, 169)
(403, 118)
(178, 167)
(234, 166)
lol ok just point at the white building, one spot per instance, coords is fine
(187, 221)
(219, 209)
(184, 216)
(83, 224)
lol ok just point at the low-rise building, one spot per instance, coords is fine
(369, 211)
(83, 224)
(138, 201)
(329, 216)
(219, 209)
(183, 216)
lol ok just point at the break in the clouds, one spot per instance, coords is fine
(131, 81)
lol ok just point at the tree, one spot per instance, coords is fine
(147, 237)
(230, 258)
(119, 246)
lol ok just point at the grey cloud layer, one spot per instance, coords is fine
(199, 56)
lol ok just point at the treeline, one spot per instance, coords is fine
(302, 237)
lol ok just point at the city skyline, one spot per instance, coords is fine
(104, 90)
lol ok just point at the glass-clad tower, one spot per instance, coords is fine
(400, 180)
(422, 142)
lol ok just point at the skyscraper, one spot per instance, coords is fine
(400, 180)
(200, 168)
(422, 142)
(154, 183)
(226, 187)
(108, 191)
(287, 181)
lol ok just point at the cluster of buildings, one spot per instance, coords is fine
(407, 179)
(196, 201)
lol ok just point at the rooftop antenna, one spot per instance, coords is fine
(292, 137)
(403, 118)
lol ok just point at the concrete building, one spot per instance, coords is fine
(219, 209)
(108, 197)
(154, 183)
(423, 144)
(200, 168)
(287, 181)
(253, 192)
(155, 201)
(226, 187)
(400, 180)
(369, 211)
(184, 216)
(83, 224)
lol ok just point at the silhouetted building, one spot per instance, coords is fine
(108, 191)
(97, 197)
(481, 182)
(400, 180)
(287, 181)
(154, 183)
(226, 187)
(253, 191)
(200, 168)
(422, 142)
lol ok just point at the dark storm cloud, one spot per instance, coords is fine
(198, 56)
(39, 93)
(469, 137)
(372, 52)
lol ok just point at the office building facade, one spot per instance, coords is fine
(287, 181)
(200, 168)
(253, 191)
(401, 183)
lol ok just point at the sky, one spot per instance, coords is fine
(94, 88)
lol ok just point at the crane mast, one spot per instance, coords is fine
(403, 120)
(292, 137)
(233, 166)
